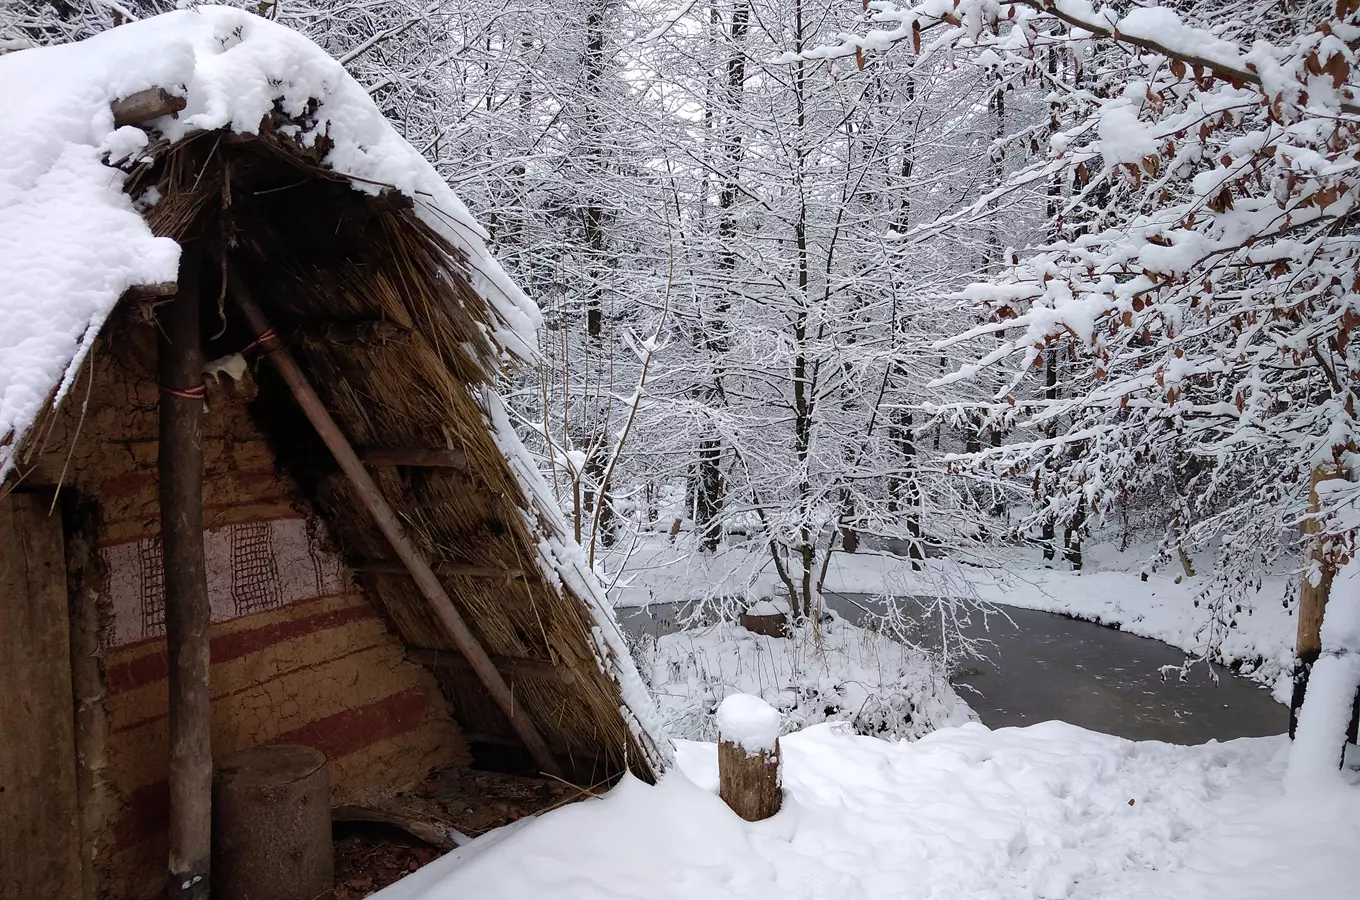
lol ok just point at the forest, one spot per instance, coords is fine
(953, 283)
(882, 324)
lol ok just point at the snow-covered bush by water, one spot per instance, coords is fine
(876, 684)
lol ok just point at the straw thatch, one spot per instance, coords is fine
(320, 256)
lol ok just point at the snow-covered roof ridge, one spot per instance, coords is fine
(71, 241)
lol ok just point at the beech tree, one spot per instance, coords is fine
(1206, 302)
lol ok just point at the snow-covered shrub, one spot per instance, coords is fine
(878, 685)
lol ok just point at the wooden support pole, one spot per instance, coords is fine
(187, 615)
(386, 519)
(414, 456)
(85, 580)
(1312, 597)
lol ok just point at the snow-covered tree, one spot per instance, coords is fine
(1201, 279)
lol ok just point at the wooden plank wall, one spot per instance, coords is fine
(39, 828)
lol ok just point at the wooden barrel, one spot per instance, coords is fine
(272, 825)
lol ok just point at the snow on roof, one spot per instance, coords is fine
(71, 241)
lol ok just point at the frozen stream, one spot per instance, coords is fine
(1047, 666)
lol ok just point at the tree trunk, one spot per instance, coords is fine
(1312, 597)
(597, 495)
(709, 486)
(187, 616)
(708, 494)
(1072, 537)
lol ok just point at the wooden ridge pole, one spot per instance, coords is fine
(391, 527)
(187, 615)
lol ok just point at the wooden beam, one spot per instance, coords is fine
(445, 569)
(515, 601)
(350, 334)
(187, 615)
(143, 106)
(150, 293)
(508, 666)
(458, 632)
(429, 457)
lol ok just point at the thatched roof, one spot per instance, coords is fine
(402, 323)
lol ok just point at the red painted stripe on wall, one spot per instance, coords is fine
(285, 673)
(354, 729)
(147, 808)
(153, 667)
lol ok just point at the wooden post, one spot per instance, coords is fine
(39, 819)
(748, 757)
(85, 582)
(187, 616)
(1312, 597)
(386, 519)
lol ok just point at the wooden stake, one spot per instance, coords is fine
(187, 615)
(1312, 597)
(386, 520)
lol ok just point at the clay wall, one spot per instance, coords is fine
(298, 654)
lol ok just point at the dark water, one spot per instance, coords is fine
(1045, 666)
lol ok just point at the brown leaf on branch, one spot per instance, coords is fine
(1338, 68)
(1222, 201)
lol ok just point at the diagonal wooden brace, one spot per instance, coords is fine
(386, 519)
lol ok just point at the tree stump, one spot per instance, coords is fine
(272, 825)
(767, 618)
(748, 757)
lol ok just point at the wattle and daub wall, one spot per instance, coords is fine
(298, 653)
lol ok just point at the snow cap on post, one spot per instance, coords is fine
(748, 722)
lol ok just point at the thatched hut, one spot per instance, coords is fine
(311, 236)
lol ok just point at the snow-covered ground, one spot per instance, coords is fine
(845, 674)
(1049, 811)
(1110, 590)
